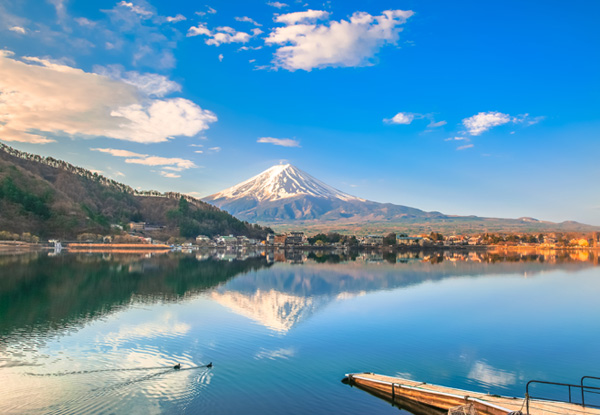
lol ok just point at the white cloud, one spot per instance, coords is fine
(38, 96)
(136, 9)
(215, 149)
(201, 29)
(18, 29)
(169, 163)
(160, 120)
(210, 10)
(220, 35)
(284, 142)
(199, 151)
(459, 138)
(480, 123)
(465, 147)
(345, 43)
(248, 20)
(170, 175)
(175, 19)
(307, 16)
(119, 153)
(221, 57)
(277, 4)
(401, 118)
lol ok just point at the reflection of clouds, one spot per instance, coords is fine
(283, 353)
(488, 375)
(166, 326)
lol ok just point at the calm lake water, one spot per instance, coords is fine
(98, 333)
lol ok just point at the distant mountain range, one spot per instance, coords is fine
(287, 197)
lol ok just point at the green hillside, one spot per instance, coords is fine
(54, 199)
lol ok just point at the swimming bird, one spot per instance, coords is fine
(177, 366)
(209, 365)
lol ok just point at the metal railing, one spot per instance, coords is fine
(581, 386)
(583, 390)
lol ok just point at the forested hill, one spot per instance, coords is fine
(54, 199)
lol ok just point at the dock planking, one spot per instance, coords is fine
(425, 399)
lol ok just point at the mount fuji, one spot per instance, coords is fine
(285, 196)
(284, 193)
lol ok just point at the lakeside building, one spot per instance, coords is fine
(295, 239)
(137, 226)
(372, 240)
(408, 240)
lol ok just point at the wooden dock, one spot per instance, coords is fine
(425, 399)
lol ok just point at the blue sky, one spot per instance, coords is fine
(464, 107)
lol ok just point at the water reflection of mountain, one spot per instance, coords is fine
(281, 297)
(51, 293)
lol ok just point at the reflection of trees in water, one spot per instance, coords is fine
(51, 293)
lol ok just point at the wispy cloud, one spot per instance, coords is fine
(306, 44)
(177, 164)
(173, 164)
(150, 83)
(284, 142)
(434, 124)
(119, 153)
(170, 175)
(248, 20)
(466, 146)
(136, 9)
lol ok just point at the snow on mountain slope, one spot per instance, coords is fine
(283, 181)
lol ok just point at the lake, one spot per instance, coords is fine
(99, 333)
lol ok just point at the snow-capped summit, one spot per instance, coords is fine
(283, 181)
(285, 193)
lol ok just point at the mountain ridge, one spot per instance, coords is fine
(285, 197)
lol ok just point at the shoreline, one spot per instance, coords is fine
(8, 247)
